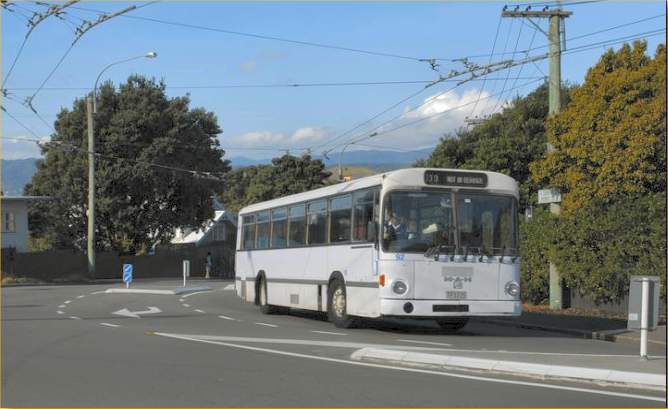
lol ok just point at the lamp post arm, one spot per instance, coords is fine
(102, 72)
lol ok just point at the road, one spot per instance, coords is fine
(77, 346)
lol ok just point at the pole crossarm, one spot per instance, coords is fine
(540, 14)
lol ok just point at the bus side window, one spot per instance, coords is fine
(363, 202)
(297, 226)
(262, 235)
(248, 232)
(279, 227)
(317, 222)
(339, 218)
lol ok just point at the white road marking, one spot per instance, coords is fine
(60, 312)
(136, 314)
(196, 292)
(186, 305)
(80, 296)
(106, 324)
(75, 318)
(98, 292)
(425, 342)
(67, 302)
(266, 325)
(329, 333)
(227, 318)
(181, 300)
(425, 371)
(199, 311)
(229, 287)
(62, 306)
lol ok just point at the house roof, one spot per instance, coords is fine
(197, 235)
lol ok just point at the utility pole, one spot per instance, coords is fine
(555, 17)
(91, 187)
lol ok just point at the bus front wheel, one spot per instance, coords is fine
(336, 310)
(452, 324)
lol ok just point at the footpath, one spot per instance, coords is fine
(604, 369)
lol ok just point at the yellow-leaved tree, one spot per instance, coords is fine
(610, 141)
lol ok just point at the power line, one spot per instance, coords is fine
(517, 42)
(482, 88)
(268, 37)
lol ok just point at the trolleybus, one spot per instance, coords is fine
(437, 244)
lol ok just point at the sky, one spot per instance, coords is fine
(263, 122)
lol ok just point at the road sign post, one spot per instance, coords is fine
(127, 274)
(643, 307)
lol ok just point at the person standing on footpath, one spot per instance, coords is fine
(209, 265)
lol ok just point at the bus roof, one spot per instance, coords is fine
(497, 182)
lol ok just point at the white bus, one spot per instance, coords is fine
(420, 243)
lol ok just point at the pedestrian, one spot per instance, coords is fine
(209, 264)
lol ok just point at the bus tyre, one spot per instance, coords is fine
(265, 308)
(452, 324)
(336, 310)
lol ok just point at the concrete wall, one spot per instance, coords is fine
(17, 239)
(166, 262)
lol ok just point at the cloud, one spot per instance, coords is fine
(302, 137)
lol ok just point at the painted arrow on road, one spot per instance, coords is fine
(136, 314)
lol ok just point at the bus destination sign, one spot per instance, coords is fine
(445, 178)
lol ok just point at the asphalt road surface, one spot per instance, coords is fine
(76, 346)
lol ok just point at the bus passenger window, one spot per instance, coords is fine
(262, 235)
(297, 226)
(339, 218)
(363, 214)
(317, 222)
(279, 227)
(248, 232)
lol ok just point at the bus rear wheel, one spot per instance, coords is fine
(265, 308)
(452, 324)
(336, 309)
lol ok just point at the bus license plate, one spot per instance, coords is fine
(455, 295)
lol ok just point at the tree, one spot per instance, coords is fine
(611, 139)
(285, 176)
(137, 204)
(506, 142)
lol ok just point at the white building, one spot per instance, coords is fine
(14, 221)
(222, 228)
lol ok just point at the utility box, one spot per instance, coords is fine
(635, 302)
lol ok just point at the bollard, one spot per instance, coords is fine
(186, 270)
(644, 318)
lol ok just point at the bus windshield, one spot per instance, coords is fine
(455, 222)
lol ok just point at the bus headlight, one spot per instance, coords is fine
(512, 288)
(399, 287)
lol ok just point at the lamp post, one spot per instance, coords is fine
(91, 107)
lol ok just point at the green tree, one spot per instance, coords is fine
(136, 204)
(507, 142)
(285, 176)
(611, 139)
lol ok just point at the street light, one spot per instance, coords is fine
(91, 107)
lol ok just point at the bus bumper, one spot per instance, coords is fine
(443, 308)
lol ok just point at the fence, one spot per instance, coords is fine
(165, 262)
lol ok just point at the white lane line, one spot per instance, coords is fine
(266, 325)
(67, 302)
(329, 333)
(80, 296)
(199, 311)
(181, 300)
(196, 292)
(60, 312)
(229, 287)
(98, 292)
(106, 324)
(62, 306)
(424, 371)
(425, 342)
(186, 305)
(74, 318)
(225, 317)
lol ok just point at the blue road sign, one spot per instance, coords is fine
(127, 273)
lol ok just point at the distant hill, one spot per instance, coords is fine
(379, 160)
(16, 173)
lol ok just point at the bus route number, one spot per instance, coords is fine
(439, 177)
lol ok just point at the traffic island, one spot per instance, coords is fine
(610, 374)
